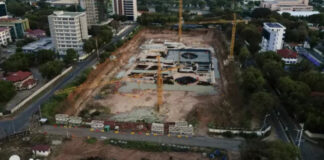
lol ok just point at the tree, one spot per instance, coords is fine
(15, 62)
(16, 8)
(261, 103)
(7, 89)
(273, 70)
(280, 150)
(71, 56)
(115, 24)
(252, 80)
(89, 45)
(244, 55)
(43, 56)
(51, 69)
(104, 56)
(261, 13)
(274, 150)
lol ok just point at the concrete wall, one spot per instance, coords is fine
(314, 135)
(21, 104)
(257, 132)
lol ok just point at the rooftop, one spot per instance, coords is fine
(68, 14)
(41, 148)
(287, 53)
(44, 43)
(36, 31)
(3, 29)
(18, 76)
(274, 25)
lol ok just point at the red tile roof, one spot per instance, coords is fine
(3, 29)
(287, 53)
(29, 82)
(41, 148)
(36, 31)
(18, 76)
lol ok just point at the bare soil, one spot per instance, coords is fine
(223, 109)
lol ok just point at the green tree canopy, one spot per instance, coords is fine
(261, 103)
(7, 89)
(15, 62)
(71, 56)
(43, 56)
(274, 150)
(252, 80)
(261, 13)
(51, 69)
(89, 45)
(244, 54)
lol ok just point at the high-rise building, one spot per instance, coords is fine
(126, 8)
(3, 10)
(68, 30)
(272, 37)
(97, 10)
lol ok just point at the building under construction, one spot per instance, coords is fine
(183, 68)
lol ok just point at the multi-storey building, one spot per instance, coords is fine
(5, 36)
(17, 26)
(97, 11)
(126, 8)
(272, 37)
(3, 10)
(68, 30)
(287, 5)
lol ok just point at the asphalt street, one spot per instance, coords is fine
(309, 150)
(21, 120)
(221, 143)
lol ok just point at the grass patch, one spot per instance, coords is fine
(91, 140)
(56, 103)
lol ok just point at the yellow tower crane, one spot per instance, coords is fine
(221, 21)
(180, 21)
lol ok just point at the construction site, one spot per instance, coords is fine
(127, 84)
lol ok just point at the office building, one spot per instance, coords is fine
(3, 10)
(287, 5)
(272, 37)
(97, 11)
(5, 37)
(68, 30)
(17, 26)
(126, 8)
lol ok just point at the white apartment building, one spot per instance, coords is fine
(5, 36)
(272, 37)
(91, 9)
(68, 30)
(127, 8)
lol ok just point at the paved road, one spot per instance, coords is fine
(222, 143)
(309, 150)
(20, 122)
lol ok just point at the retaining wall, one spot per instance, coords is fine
(233, 131)
(314, 135)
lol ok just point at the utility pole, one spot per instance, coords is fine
(97, 49)
(300, 135)
(13, 127)
(40, 111)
